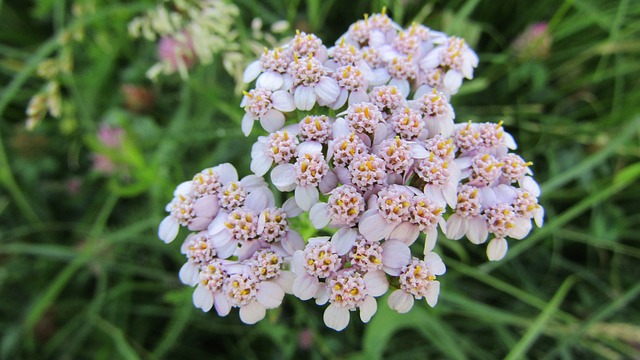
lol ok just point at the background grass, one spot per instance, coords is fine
(83, 275)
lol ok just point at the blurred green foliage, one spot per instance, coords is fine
(83, 275)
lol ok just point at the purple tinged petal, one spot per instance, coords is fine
(183, 189)
(309, 147)
(477, 230)
(248, 249)
(497, 249)
(400, 301)
(433, 290)
(188, 274)
(340, 100)
(452, 81)
(306, 196)
(297, 263)
(434, 261)
(521, 229)
(376, 282)
(344, 239)
(329, 182)
(336, 317)
(270, 294)
(327, 90)
(292, 242)
(252, 313)
(272, 121)
(226, 173)
(283, 177)
(270, 80)
(259, 200)
(304, 97)
(358, 96)
(322, 295)
(375, 227)
(168, 229)
(319, 215)
(405, 232)
(456, 227)
(206, 206)
(247, 124)
(252, 71)
(202, 298)
(199, 223)
(221, 303)
(285, 281)
(291, 208)
(305, 286)
(368, 309)
(218, 223)
(530, 185)
(430, 239)
(227, 249)
(283, 101)
(395, 254)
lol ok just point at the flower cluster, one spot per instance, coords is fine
(390, 166)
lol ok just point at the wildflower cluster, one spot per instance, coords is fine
(390, 166)
(189, 32)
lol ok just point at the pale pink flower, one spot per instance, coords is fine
(270, 70)
(437, 112)
(441, 178)
(311, 83)
(456, 56)
(318, 260)
(417, 281)
(349, 290)
(266, 106)
(279, 147)
(309, 172)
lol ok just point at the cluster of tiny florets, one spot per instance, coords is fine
(361, 134)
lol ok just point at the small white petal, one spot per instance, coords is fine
(285, 281)
(306, 196)
(509, 141)
(434, 261)
(521, 229)
(272, 121)
(529, 184)
(418, 151)
(291, 208)
(247, 124)
(327, 90)
(226, 173)
(319, 215)
(433, 290)
(400, 301)
(270, 294)
(358, 96)
(183, 189)
(343, 240)
(456, 227)
(252, 313)
(497, 249)
(430, 239)
(188, 274)
(168, 229)
(292, 242)
(206, 206)
(340, 100)
(283, 177)
(405, 232)
(221, 303)
(477, 230)
(304, 97)
(270, 80)
(202, 298)
(260, 163)
(305, 286)
(452, 81)
(375, 227)
(309, 147)
(336, 317)
(322, 295)
(252, 71)
(538, 216)
(376, 282)
(368, 309)
(395, 254)
(403, 86)
(283, 101)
